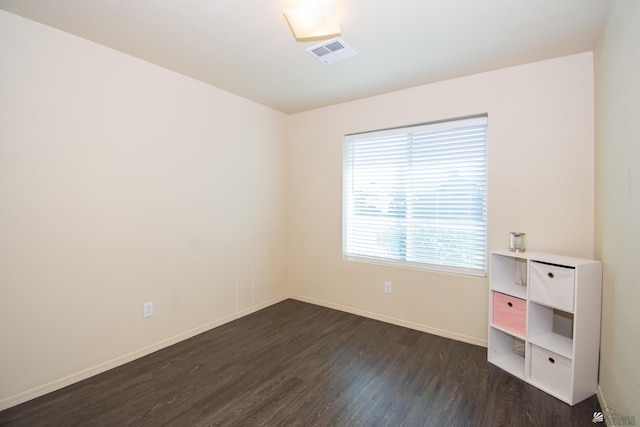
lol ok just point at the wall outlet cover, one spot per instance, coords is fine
(387, 287)
(147, 309)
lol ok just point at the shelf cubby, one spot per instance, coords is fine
(551, 329)
(503, 275)
(507, 352)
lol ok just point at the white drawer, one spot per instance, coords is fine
(551, 371)
(551, 285)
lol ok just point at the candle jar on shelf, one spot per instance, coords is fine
(517, 242)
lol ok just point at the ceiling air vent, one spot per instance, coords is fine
(332, 51)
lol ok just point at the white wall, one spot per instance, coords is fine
(617, 77)
(122, 182)
(541, 181)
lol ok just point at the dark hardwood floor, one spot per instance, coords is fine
(297, 364)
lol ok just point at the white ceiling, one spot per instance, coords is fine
(246, 46)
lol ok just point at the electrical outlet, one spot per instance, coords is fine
(147, 309)
(387, 287)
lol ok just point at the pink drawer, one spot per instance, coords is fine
(510, 313)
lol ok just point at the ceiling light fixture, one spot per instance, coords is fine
(313, 20)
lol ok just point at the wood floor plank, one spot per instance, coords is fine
(297, 364)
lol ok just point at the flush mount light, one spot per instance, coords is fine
(313, 20)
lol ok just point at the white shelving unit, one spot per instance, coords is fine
(544, 321)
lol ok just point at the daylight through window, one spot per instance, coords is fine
(417, 196)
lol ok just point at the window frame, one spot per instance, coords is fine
(457, 123)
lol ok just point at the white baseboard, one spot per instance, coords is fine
(395, 321)
(118, 361)
(603, 403)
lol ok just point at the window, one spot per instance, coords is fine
(417, 196)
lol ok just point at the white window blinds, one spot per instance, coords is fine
(418, 195)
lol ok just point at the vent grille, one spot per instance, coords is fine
(321, 51)
(336, 45)
(332, 51)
